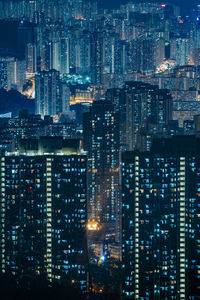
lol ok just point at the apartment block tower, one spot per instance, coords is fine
(161, 220)
(43, 211)
(141, 106)
(51, 94)
(101, 141)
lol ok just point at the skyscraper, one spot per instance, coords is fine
(48, 93)
(12, 72)
(44, 211)
(179, 50)
(141, 105)
(160, 227)
(96, 58)
(101, 140)
(31, 58)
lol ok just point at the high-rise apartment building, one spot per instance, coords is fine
(160, 220)
(49, 93)
(12, 72)
(144, 55)
(31, 58)
(140, 105)
(101, 140)
(43, 208)
(96, 58)
(179, 50)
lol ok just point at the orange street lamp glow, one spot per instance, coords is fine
(92, 226)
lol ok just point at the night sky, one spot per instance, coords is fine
(185, 4)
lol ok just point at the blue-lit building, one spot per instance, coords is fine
(160, 220)
(141, 106)
(48, 93)
(44, 211)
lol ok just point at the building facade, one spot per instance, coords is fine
(51, 95)
(140, 106)
(160, 227)
(44, 211)
(101, 141)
